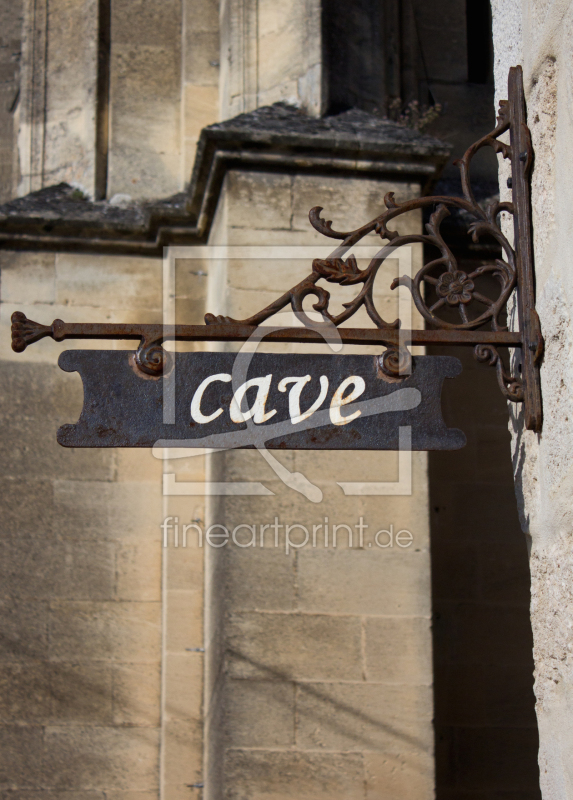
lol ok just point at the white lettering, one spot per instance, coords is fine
(338, 400)
(257, 410)
(198, 396)
(296, 415)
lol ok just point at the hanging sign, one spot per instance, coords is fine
(277, 401)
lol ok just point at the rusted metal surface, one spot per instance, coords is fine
(481, 318)
(296, 397)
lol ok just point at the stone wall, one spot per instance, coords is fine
(80, 567)
(538, 35)
(319, 667)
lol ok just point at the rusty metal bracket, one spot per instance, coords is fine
(481, 322)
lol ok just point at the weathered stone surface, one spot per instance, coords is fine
(100, 758)
(20, 270)
(294, 646)
(32, 568)
(90, 631)
(80, 694)
(336, 776)
(406, 776)
(372, 581)
(355, 717)
(260, 579)
(21, 763)
(399, 650)
(184, 687)
(184, 619)
(260, 714)
(136, 695)
(23, 630)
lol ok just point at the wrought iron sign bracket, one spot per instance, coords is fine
(482, 323)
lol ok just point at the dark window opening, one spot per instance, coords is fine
(478, 20)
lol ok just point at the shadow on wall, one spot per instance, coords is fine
(486, 729)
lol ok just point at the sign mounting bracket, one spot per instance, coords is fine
(481, 325)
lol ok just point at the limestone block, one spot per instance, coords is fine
(191, 276)
(136, 695)
(138, 570)
(183, 687)
(190, 468)
(80, 694)
(28, 277)
(136, 465)
(243, 303)
(201, 101)
(130, 795)
(101, 758)
(248, 465)
(260, 714)
(363, 717)
(285, 237)
(107, 510)
(23, 630)
(398, 650)
(306, 776)
(24, 693)
(259, 579)
(346, 465)
(290, 507)
(268, 274)
(202, 61)
(182, 752)
(258, 200)
(200, 15)
(149, 22)
(71, 59)
(294, 646)
(184, 619)
(21, 748)
(145, 108)
(27, 508)
(370, 581)
(106, 282)
(86, 631)
(184, 565)
(38, 392)
(406, 776)
(352, 203)
(50, 795)
(31, 568)
(285, 54)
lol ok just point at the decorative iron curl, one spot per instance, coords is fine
(152, 358)
(396, 362)
(510, 385)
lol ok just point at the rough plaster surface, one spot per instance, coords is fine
(538, 35)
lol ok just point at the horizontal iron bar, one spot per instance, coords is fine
(238, 332)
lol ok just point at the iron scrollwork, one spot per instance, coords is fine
(440, 289)
(455, 289)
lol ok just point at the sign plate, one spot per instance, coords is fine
(246, 400)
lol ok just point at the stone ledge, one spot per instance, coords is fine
(276, 138)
